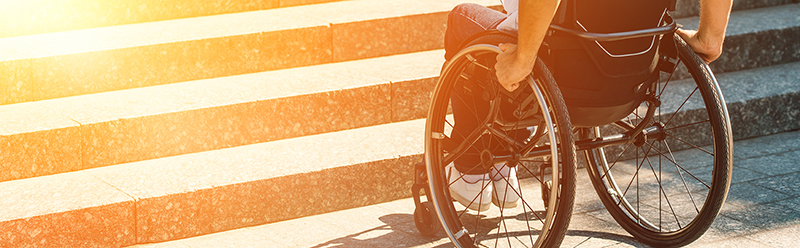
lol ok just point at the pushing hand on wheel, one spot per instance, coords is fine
(511, 67)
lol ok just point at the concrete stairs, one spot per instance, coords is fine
(140, 128)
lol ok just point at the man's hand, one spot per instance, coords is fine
(516, 61)
(512, 67)
(707, 40)
(708, 48)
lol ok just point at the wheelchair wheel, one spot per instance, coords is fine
(425, 220)
(523, 129)
(667, 187)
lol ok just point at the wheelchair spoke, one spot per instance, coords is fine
(528, 170)
(508, 140)
(681, 106)
(622, 203)
(669, 79)
(690, 144)
(466, 144)
(684, 169)
(616, 160)
(678, 169)
(470, 140)
(687, 125)
(658, 178)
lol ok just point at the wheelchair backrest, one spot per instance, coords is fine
(612, 75)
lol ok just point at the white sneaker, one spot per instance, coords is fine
(506, 186)
(472, 191)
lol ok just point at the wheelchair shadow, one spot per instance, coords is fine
(399, 231)
(621, 239)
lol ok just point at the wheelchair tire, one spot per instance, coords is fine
(667, 190)
(529, 224)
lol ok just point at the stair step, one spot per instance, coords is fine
(757, 38)
(686, 8)
(66, 210)
(762, 101)
(193, 194)
(18, 18)
(67, 134)
(61, 64)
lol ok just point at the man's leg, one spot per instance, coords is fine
(469, 111)
(465, 20)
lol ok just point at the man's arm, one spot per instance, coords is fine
(516, 61)
(707, 40)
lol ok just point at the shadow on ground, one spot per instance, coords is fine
(399, 231)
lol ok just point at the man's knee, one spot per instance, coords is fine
(466, 7)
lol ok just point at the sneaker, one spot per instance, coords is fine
(506, 186)
(472, 191)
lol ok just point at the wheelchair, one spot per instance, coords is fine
(643, 109)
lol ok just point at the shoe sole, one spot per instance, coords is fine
(465, 202)
(505, 205)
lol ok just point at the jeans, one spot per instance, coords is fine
(466, 20)
(469, 112)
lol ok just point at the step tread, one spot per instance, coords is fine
(223, 91)
(207, 27)
(29, 117)
(687, 8)
(296, 156)
(45, 16)
(753, 20)
(742, 86)
(54, 194)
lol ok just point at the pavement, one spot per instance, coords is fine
(762, 210)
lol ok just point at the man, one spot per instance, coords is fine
(530, 19)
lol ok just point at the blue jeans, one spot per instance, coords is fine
(469, 112)
(465, 20)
